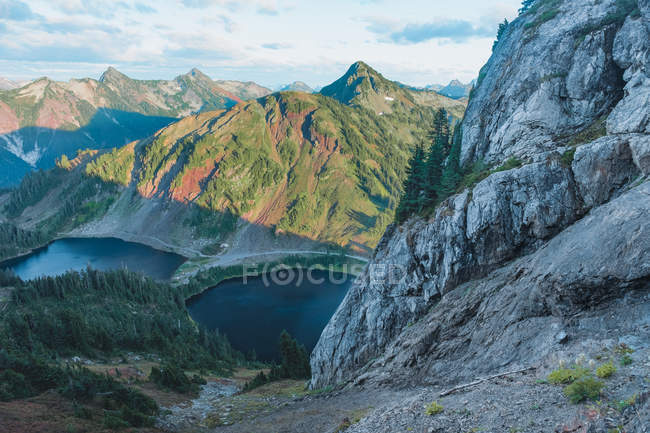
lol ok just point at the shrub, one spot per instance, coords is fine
(626, 360)
(585, 388)
(13, 385)
(172, 377)
(434, 408)
(567, 157)
(624, 404)
(606, 370)
(259, 380)
(567, 375)
(510, 164)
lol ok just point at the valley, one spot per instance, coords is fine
(373, 257)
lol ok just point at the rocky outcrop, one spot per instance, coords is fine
(523, 313)
(509, 214)
(632, 54)
(534, 214)
(548, 79)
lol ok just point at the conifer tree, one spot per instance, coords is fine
(434, 163)
(502, 29)
(451, 172)
(411, 199)
(525, 5)
(440, 131)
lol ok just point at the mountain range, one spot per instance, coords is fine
(323, 167)
(45, 119)
(296, 86)
(455, 89)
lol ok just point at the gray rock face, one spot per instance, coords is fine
(632, 53)
(509, 214)
(551, 81)
(640, 146)
(539, 89)
(603, 167)
(514, 316)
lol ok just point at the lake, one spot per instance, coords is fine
(100, 253)
(253, 313)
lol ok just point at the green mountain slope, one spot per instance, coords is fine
(363, 87)
(46, 119)
(292, 163)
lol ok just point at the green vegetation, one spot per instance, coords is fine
(500, 32)
(24, 375)
(626, 360)
(567, 375)
(590, 133)
(543, 10)
(335, 258)
(101, 315)
(606, 370)
(432, 178)
(115, 166)
(91, 313)
(434, 408)
(294, 364)
(567, 157)
(32, 189)
(172, 377)
(629, 402)
(551, 77)
(64, 162)
(15, 241)
(585, 388)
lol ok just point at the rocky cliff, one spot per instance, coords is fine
(496, 275)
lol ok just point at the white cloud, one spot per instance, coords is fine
(270, 41)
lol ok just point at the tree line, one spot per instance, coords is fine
(433, 173)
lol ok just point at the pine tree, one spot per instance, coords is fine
(525, 6)
(411, 200)
(451, 172)
(434, 163)
(440, 131)
(500, 32)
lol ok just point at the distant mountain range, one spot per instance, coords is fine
(6, 84)
(455, 89)
(296, 86)
(325, 167)
(45, 119)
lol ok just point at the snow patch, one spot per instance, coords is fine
(388, 98)
(15, 145)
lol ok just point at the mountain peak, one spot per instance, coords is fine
(360, 79)
(297, 86)
(112, 74)
(196, 73)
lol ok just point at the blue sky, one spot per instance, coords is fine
(271, 42)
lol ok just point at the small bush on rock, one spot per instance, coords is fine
(585, 388)
(567, 375)
(434, 408)
(606, 370)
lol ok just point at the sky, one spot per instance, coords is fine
(271, 42)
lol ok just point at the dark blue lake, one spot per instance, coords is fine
(100, 253)
(253, 313)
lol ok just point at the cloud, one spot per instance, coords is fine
(267, 10)
(143, 8)
(196, 54)
(52, 53)
(455, 30)
(16, 11)
(276, 46)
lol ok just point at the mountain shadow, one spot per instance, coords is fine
(39, 147)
